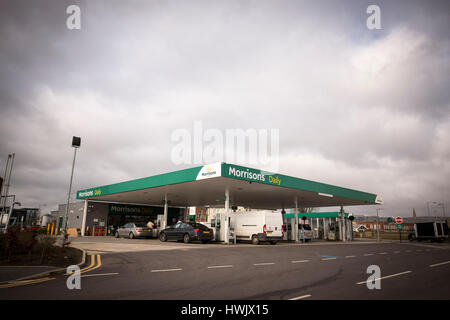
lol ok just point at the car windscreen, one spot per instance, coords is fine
(140, 225)
(200, 226)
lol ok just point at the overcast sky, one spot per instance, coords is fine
(358, 108)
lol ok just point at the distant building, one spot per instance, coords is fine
(24, 217)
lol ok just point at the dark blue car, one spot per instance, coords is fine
(187, 232)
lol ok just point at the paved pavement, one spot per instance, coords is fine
(105, 245)
(290, 271)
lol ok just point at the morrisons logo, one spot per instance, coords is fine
(208, 172)
(246, 174)
(86, 194)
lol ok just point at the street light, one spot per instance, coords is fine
(10, 212)
(76, 142)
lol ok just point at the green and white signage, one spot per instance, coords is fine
(122, 209)
(225, 170)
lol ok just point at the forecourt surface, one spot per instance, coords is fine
(286, 272)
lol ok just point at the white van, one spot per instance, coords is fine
(258, 226)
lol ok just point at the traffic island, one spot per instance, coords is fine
(26, 255)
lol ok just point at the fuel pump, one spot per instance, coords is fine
(218, 228)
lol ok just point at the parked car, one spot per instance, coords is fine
(134, 230)
(305, 232)
(361, 228)
(187, 231)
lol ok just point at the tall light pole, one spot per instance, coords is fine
(8, 171)
(10, 210)
(378, 225)
(76, 142)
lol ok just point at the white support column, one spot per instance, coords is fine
(296, 221)
(227, 215)
(166, 211)
(83, 224)
(344, 225)
(318, 228)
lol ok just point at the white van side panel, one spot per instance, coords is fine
(247, 224)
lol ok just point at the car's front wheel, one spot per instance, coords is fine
(117, 234)
(255, 240)
(187, 238)
(163, 237)
(131, 236)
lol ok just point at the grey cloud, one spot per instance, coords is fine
(138, 70)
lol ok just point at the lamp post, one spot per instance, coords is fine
(10, 212)
(76, 142)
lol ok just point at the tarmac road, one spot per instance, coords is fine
(328, 271)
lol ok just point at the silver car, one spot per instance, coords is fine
(134, 230)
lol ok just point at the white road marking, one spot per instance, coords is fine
(299, 261)
(214, 267)
(386, 277)
(439, 264)
(325, 259)
(99, 274)
(350, 256)
(166, 270)
(383, 253)
(301, 297)
(368, 254)
(264, 264)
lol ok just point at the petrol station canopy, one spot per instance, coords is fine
(248, 187)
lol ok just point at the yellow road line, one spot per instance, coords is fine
(99, 264)
(85, 269)
(23, 283)
(91, 267)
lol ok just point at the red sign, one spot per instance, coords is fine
(399, 220)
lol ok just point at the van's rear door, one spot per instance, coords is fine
(274, 222)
